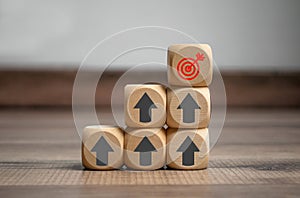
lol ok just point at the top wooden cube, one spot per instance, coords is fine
(190, 65)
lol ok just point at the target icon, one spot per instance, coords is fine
(189, 68)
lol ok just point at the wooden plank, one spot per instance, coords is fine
(220, 171)
(258, 155)
(156, 191)
(54, 88)
(256, 147)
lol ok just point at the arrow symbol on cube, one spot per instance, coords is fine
(188, 148)
(188, 106)
(145, 104)
(145, 148)
(102, 148)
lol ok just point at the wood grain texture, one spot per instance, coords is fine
(185, 69)
(220, 171)
(258, 155)
(156, 113)
(155, 191)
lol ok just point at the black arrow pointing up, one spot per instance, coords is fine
(145, 104)
(188, 148)
(102, 148)
(145, 148)
(188, 106)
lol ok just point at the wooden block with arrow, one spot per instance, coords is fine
(187, 148)
(145, 105)
(145, 148)
(188, 107)
(190, 65)
(102, 147)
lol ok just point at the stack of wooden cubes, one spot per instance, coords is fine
(183, 108)
(188, 110)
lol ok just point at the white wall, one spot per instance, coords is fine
(244, 34)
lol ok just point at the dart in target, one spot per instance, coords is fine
(189, 68)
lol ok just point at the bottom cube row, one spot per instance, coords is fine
(108, 147)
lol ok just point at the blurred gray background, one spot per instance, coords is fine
(256, 34)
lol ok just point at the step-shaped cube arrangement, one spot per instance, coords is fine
(184, 108)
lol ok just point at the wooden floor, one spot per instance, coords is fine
(258, 155)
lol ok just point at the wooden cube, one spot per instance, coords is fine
(145, 149)
(187, 148)
(188, 107)
(102, 147)
(145, 105)
(190, 65)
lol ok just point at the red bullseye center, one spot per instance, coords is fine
(188, 68)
